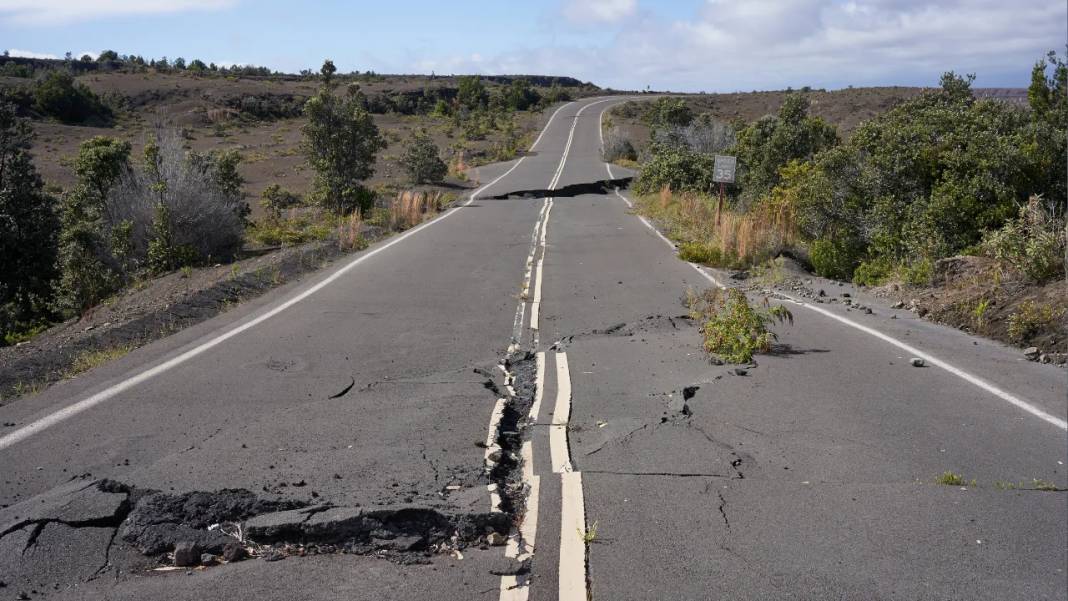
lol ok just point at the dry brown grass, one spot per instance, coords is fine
(737, 240)
(350, 232)
(408, 209)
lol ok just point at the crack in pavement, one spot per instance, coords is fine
(667, 474)
(599, 187)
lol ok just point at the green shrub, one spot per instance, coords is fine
(288, 232)
(1033, 243)
(677, 168)
(275, 199)
(422, 160)
(835, 258)
(89, 270)
(1030, 319)
(703, 253)
(617, 147)
(668, 112)
(873, 272)
(732, 328)
(57, 95)
(918, 273)
(768, 144)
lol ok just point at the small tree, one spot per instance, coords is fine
(58, 95)
(327, 72)
(28, 228)
(422, 161)
(276, 199)
(173, 212)
(471, 93)
(341, 141)
(87, 272)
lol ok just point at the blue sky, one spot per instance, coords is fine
(684, 45)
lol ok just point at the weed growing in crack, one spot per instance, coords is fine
(732, 328)
(589, 535)
(949, 478)
(1045, 485)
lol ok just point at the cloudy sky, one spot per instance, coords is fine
(683, 45)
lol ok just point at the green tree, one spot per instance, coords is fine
(341, 142)
(28, 228)
(87, 273)
(472, 93)
(327, 72)
(668, 112)
(768, 144)
(422, 161)
(107, 55)
(275, 199)
(58, 95)
(520, 96)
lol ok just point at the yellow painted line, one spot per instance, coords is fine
(572, 539)
(558, 451)
(539, 385)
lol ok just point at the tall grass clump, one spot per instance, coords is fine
(733, 329)
(408, 209)
(733, 240)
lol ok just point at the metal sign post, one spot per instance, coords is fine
(723, 172)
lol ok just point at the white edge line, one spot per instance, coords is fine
(960, 373)
(90, 402)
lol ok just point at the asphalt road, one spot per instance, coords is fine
(385, 383)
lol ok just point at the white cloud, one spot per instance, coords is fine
(29, 53)
(771, 44)
(50, 12)
(589, 12)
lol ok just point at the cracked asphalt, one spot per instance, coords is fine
(355, 422)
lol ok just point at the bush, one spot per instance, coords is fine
(472, 93)
(289, 232)
(89, 270)
(668, 112)
(422, 161)
(703, 253)
(676, 168)
(341, 142)
(875, 272)
(275, 199)
(703, 135)
(57, 95)
(731, 327)
(617, 147)
(1033, 243)
(519, 95)
(176, 214)
(835, 258)
(28, 227)
(1031, 319)
(768, 144)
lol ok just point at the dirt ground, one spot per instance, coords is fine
(974, 294)
(200, 107)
